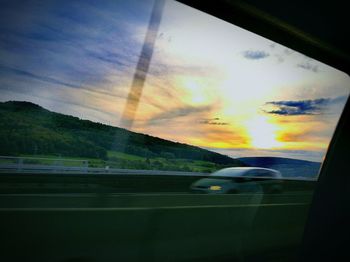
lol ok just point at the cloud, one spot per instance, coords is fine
(308, 66)
(73, 42)
(255, 55)
(213, 121)
(23, 81)
(109, 57)
(304, 107)
(178, 112)
(24, 73)
(288, 51)
(279, 58)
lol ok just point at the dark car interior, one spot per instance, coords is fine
(97, 217)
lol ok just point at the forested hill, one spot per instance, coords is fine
(26, 128)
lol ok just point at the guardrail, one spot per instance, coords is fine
(92, 170)
(21, 164)
(58, 165)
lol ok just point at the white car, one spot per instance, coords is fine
(234, 180)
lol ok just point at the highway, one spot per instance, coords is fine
(149, 227)
(142, 215)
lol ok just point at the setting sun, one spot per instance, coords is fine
(262, 133)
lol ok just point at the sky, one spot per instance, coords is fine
(209, 83)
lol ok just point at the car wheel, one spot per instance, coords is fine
(232, 191)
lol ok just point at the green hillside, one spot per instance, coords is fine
(28, 129)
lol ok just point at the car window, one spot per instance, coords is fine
(124, 114)
(265, 173)
(259, 173)
(229, 172)
(99, 88)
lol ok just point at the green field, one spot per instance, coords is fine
(161, 163)
(119, 160)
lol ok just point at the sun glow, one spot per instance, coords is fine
(262, 133)
(195, 91)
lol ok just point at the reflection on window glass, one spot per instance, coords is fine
(152, 86)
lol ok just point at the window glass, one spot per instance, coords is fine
(258, 173)
(117, 86)
(229, 172)
(264, 173)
